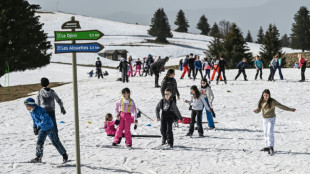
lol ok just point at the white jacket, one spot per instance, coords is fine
(207, 93)
(197, 104)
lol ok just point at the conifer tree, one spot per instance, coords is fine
(215, 32)
(23, 43)
(260, 35)
(249, 37)
(271, 44)
(215, 47)
(235, 47)
(160, 26)
(203, 25)
(181, 22)
(285, 41)
(300, 36)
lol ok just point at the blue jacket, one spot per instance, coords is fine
(242, 65)
(185, 62)
(41, 119)
(198, 64)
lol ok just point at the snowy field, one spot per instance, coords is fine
(232, 148)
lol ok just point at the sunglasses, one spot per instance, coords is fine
(203, 83)
(167, 94)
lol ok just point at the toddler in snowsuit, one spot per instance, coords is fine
(109, 126)
(169, 109)
(124, 108)
(43, 126)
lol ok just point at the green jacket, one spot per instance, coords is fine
(270, 112)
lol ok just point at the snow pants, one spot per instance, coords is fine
(130, 72)
(166, 122)
(138, 68)
(54, 139)
(209, 115)
(124, 124)
(239, 72)
(186, 70)
(303, 69)
(196, 113)
(268, 126)
(215, 70)
(219, 74)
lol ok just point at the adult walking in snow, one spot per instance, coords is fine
(259, 67)
(198, 67)
(156, 68)
(197, 102)
(302, 65)
(169, 111)
(222, 64)
(207, 93)
(267, 105)
(43, 126)
(127, 114)
(241, 66)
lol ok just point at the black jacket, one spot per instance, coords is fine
(98, 64)
(168, 105)
(169, 83)
(158, 65)
(222, 64)
(191, 62)
(123, 66)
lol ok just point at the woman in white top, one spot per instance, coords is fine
(197, 103)
(207, 93)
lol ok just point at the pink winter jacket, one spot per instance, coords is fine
(302, 62)
(109, 127)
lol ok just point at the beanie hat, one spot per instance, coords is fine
(44, 82)
(30, 102)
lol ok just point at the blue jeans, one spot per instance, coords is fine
(280, 72)
(54, 139)
(209, 115)
(207, 72)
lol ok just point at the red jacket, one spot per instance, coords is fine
(302, 62)
(109, 127)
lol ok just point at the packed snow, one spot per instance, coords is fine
(232, 148)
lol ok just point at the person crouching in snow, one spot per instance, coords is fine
(197, 102)
(109, 126)
(124, 108)
(43, 127)
(267, 105)
(169, 109)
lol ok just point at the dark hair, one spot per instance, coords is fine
(181, 60)
(197, 93)
(108, 116)
(168, 90)
(205, 80)
(166, 58)
(126, 90)
(268, 104)
(44, 82)
(169, 72)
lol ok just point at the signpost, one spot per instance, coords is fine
(74, 48)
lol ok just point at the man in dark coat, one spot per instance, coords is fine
(156, 68)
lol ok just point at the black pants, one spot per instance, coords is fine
(175, 118)
(99, 73)
(191, 71)
(219, 74)
(239, 72)
(271, 74)
(124, 76)
(156, 73)
(166, 126)
(197, 73)
(303, 69)
(196, 113)
(259, 70)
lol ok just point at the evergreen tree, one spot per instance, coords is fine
(260, 35)
(215, 32)
(235, 47)
(301, 30)
(203, 25)
(249, 37)
(160, 26)
(23, 43)
(271, 45)
(285, 41)
(181, 22)
(215, 48)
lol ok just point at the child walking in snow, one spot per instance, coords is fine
(241, 66)
(197, 102)
(43, 126)
(207, 93)
(169, 110)
(124, 110)
(267, 105)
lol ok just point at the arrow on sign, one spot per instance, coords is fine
(83, 47)
(78, 35)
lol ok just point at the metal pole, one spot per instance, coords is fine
(76, 110)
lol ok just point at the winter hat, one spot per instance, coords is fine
(44, 82)
(30, 102)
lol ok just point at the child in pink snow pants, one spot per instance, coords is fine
(124, 109)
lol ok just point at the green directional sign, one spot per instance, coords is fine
(78, 35)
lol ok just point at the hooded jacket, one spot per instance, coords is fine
(41, 119)
(168, 105)
(46, 99)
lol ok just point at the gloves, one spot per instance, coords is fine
(62, 110)
(116, 122)
(135, 127)
(36, 130)
(139, 114)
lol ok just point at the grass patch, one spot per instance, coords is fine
(20, 91)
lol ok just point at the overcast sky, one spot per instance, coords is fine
(247, 14)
